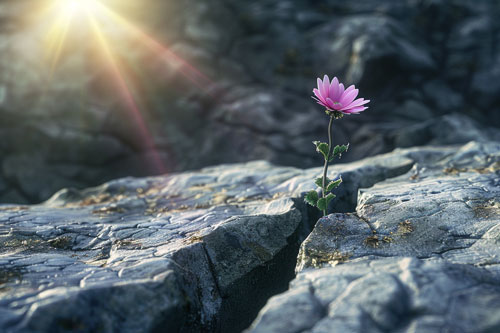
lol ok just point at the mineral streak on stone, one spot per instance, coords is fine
(419, 254)
(191, 251)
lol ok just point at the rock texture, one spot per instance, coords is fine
(146, 254)
(205, 250)
(188, 252)
(387, 295)
(418, 61)
(420, 254)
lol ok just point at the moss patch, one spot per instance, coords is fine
(9, 275)
(108, 210)
(63, 242)
(372, 241)
(319, 259)
(487, 210)
(405, 228)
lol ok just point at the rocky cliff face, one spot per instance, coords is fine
(416, 61)
(416, 249)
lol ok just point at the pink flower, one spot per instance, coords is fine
(334, 97)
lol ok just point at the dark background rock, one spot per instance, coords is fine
(416, 60)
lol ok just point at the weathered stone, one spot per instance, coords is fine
(212, 246)
(389, 294)
(153, 251)
(232, 85)
(420, 253)
(445, 130)
(441, 209)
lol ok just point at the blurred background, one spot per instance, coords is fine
(91, 91)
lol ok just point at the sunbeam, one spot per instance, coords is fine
(56, 38)
(76, 18)
(172, 59)
(70, 10)
(126, 93)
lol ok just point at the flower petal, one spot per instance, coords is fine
(349, 96)
(325, 106)
(334, 88)
(340, 92)
(320, 102)
(355, 110)
(326, 86)
(330, 103)
(358, 102)
(319, 96)
(351, 88)
(320, 86)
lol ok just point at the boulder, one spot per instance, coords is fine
(400, 294)
(176, 252)
(419, 253)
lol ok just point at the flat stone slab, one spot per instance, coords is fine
(386, 295)
(449, 210)
(419, 254)
(191, 251)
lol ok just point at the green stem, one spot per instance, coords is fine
(330, 151)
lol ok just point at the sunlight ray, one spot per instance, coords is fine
(58, 43)
(127, 95)
(172, 59)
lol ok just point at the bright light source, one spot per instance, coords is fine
(71, 7)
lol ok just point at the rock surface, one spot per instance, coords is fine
(191, 251)
(420, 254)
(387, 295)
(416, 61)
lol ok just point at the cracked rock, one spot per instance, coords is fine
(189, 251)
(420, 253)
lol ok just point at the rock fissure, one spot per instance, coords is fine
(431, 264)
(211, 259)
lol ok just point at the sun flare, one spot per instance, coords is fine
(75, 24)
(72, 6)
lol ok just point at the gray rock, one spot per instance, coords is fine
(441, 209)
(445, 130)
(203, 250)
(363, 44)
(387, 295)
(233, 85)
(83, 260)
(419, 254)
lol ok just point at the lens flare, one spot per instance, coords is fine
(71, 17)
(72, 6)
(127, 95)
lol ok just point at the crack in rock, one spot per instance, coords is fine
(420, 254)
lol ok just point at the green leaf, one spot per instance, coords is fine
(311, 198)
(322, 148)
(333, 184)
(339, 150)
(319, 181)
(322, 204)
(329, 198)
